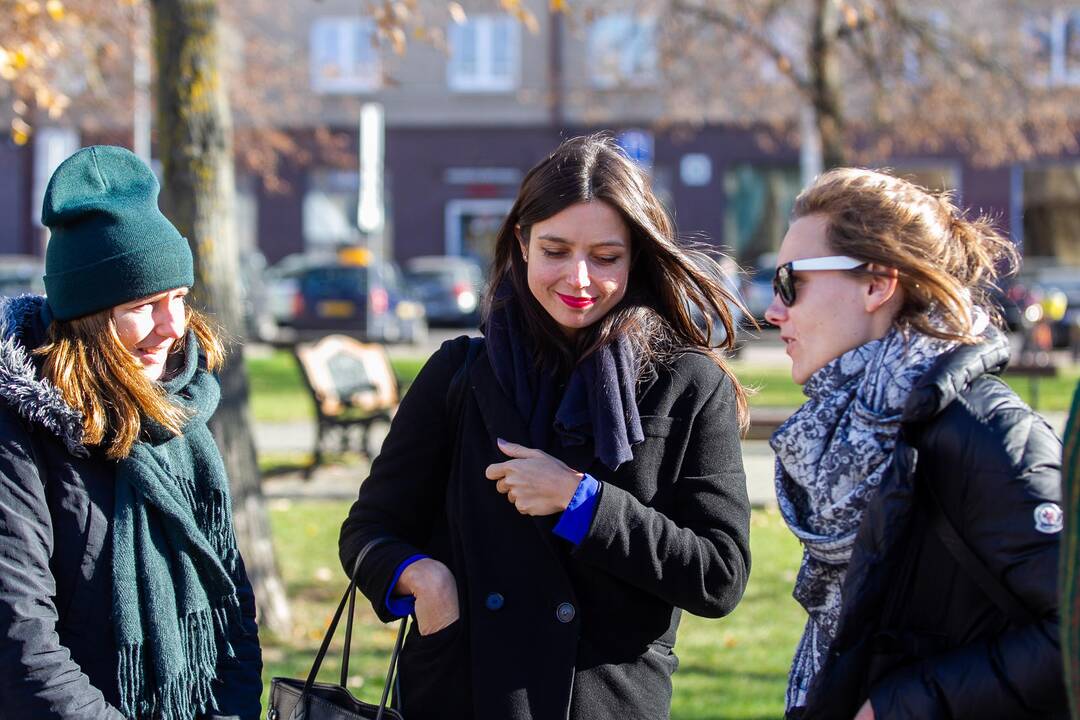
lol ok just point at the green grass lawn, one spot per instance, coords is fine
(278, 393)
(734, 668)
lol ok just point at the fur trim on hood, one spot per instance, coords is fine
(34, 399)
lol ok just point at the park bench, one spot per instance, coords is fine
(353, 386)
(765, 420)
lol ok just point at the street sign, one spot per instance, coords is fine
(638, 145)
(695, 169)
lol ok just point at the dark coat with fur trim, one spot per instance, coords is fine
(57, 650)
(549, 630)
(917, 635)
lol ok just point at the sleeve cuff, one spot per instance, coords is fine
(401, 605)
(575, 520)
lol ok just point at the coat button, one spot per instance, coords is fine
(565, 613)
(494, 601)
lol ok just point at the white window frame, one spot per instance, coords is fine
(485, 78)
(1059, 72)
(322, 225)
(456, 208)
(356, 73)
(631, 71)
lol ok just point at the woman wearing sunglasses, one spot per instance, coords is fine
(923, 490)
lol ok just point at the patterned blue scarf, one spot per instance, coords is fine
(831, 456)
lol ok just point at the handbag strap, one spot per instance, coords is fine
(975, 569)
(350, 598)
(455, 394)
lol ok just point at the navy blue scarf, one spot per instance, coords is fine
(598, 401)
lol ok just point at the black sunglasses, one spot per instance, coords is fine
(783, 283)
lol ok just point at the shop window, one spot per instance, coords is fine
(1051, 208)
(329, 209)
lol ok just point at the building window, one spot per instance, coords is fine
(472, 226)
(329, 209)
(344, 57)
(1055, 46)
(1050, 198)
(622, 51)
(485, 53)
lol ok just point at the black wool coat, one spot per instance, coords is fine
(58, 654)
(917, 635)
(549, 630)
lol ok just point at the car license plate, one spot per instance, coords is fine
(335, 308)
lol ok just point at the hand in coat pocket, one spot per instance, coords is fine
(535, 482)
(435, 590)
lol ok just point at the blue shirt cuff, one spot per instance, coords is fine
(401, 605)
(574, 523)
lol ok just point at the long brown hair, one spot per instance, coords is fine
(666, 276)
(947, 263)
(97, 376)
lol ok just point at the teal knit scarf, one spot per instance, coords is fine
(174, 556)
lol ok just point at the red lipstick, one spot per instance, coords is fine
(577, 303)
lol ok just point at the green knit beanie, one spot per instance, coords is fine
(109, 242)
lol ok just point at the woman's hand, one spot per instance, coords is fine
(435, 590)
(866, 712)
(534, 481)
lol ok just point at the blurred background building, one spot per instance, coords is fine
(469, 109)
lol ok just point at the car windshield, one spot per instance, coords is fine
(431, 276)
(333, 281)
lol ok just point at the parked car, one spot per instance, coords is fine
(358, 296)
(282, 285)
(450, 288)
(21, 274)
(757, 287)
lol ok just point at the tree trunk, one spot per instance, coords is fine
(825, 83)
(195, 148)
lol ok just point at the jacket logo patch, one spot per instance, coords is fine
(1048, 518)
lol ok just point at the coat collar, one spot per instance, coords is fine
(35, 400)
(502, 419)
(953, 373)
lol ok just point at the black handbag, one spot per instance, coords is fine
(292, 699)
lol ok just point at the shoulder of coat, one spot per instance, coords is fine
(696, 369)
(992, 428)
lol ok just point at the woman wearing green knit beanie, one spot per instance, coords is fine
(122, 592)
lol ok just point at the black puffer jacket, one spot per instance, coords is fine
(917, 635)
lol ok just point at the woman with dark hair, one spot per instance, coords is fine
(122, 592)
(549, 498)
(924, 491)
